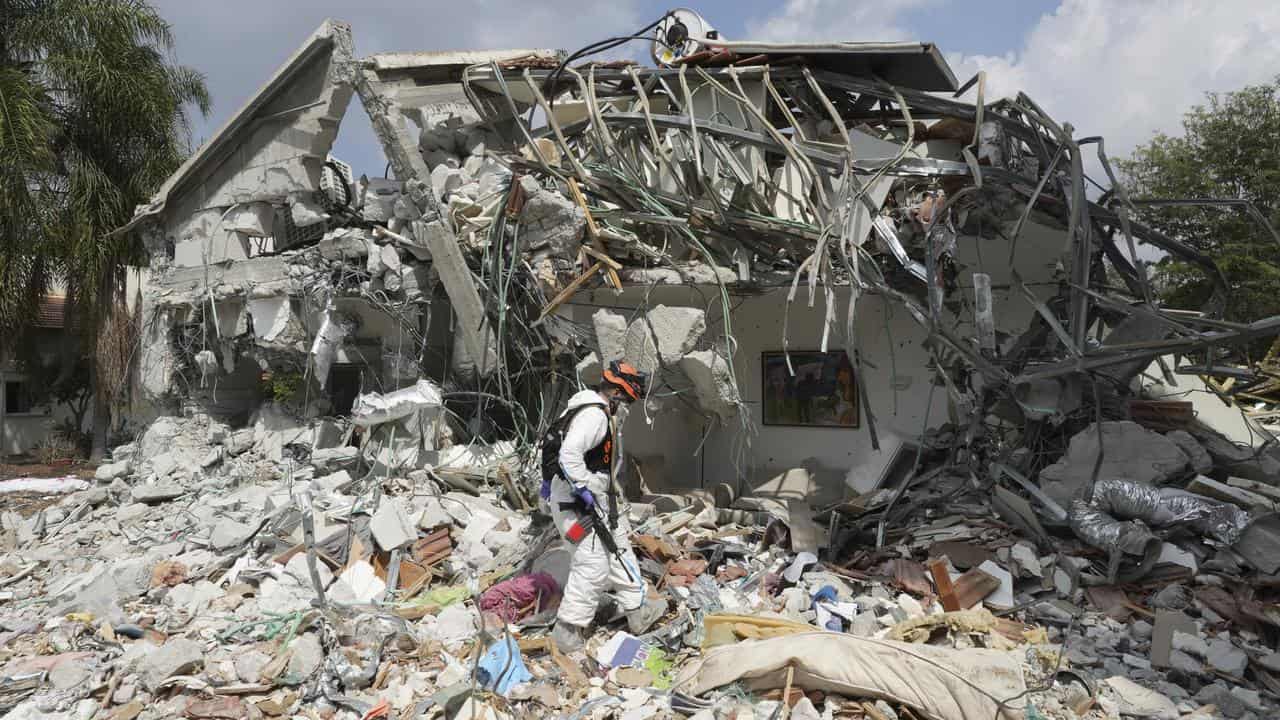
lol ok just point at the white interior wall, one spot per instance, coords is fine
(895, 370)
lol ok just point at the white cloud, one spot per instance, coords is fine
(1123, 70)
(818, 20)
(238, 44)
(1127, 70)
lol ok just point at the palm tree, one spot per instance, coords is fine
(93, 117)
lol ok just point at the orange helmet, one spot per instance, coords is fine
(626, 377)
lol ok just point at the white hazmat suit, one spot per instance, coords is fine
(594, 570)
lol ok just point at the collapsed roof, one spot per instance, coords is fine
(522, 179)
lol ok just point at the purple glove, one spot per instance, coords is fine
(585, 496)
(545, 491)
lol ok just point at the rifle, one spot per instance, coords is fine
(589, 518)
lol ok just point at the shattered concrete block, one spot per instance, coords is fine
(308, 653)
(677, 330)
(69, 673)
(378, 199)
(343, 244)
(217, 433)
(334, 459)
(404, 209)
(159, 436)
(124, 453)
(300, 572)
(713, 382)
(1211, 488)
(1138, 701)
(434, 515)
(1133, 329)
(239, 441)
(1197, 456)
(160, 492)
(1223, 699)
(373, 258)
(228, 533)
(550, 220)
(589, 370)
(1027, 560)
(255, 219)
(436, 138)
(390, 258)
(193, 598)
(474, 141)
(131, 513)
(446, 180)
(275, 322)
(306, 212)
(1131, 452)
(696, 273)
(1225, 657)
(1260, 465)
(332, 481)
(111, 471)
(164, 464)
(391, 526)
(93, 496)
(249, 664)
(1251, 698)
(456, 623)
(178, 656)
(284, 596)
(416, 282)
(211, 458)
(442, 159)
(611, 335)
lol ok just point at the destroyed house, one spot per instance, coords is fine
(825, 257)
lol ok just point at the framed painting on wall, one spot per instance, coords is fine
(821, 393)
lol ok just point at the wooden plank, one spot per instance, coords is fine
(969, 589)
(908, 575)
(973, 587)
(593, 232)
(602, 257)
(572, 672)
(942, 581)
(568, 291)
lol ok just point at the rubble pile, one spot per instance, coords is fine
(1029, 495)
(199, 577)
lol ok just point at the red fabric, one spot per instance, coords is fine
(510, 598)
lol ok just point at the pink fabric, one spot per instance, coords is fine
(509, 598)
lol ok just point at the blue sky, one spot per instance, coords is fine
(1120, 69)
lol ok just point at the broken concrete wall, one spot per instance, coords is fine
(272, 151)
(894, 377)
(896, 369)
(837, 453)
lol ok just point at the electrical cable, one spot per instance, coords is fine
(599, 46)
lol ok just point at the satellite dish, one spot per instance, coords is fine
(681, 33)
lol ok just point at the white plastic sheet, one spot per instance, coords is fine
(937, 683)
(376, 408)
(49, 486)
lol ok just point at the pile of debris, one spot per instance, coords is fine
(1042, 512)
(278, 571)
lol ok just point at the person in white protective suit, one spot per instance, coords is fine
(583, 486)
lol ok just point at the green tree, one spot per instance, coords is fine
(1229, 149)
(93, 117)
